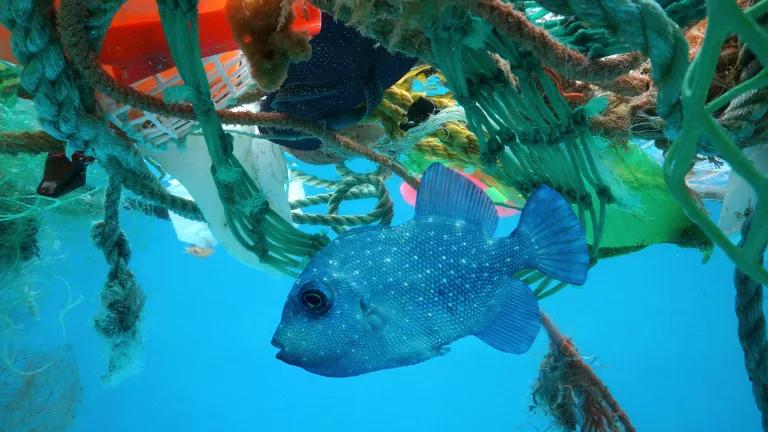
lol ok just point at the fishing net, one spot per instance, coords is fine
(39, 384)
(39, 391)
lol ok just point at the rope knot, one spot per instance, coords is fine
(112, 242)
(226, 179)
(256, 207)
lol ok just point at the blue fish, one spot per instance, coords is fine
(383, 297)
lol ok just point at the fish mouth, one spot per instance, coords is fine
(316, 369)
(284, 355)
(289, 359)
(314, 366)
(281, 355)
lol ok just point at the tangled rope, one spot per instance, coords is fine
(352, 187)
(122, 299)
(645, 27)
(65, 104)
(570, 391)
(72, 30)
(749, 310)
(66, 107)
(522, 33)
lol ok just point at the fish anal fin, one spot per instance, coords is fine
(515, 326)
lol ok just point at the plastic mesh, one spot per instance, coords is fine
(228, 75)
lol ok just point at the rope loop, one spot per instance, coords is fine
(383, 211)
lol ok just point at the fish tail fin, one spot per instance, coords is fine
(553, 237)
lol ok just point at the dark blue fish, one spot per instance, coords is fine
(341, 82)
(383, 297)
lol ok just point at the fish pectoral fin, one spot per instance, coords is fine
(376, 319)
(515, 326)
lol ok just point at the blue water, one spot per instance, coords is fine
(658, 326)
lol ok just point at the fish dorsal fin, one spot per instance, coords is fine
(446, 193)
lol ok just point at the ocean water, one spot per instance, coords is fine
(657, 326)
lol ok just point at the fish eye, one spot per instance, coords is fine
(315, 300)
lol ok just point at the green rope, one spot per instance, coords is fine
(573, 32)
(65, 106)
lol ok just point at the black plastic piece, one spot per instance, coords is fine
(63, 175)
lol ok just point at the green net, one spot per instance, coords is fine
(39, 384)
(725, 18)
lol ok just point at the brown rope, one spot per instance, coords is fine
(15, 143)
(570, 64)
(565, 348)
